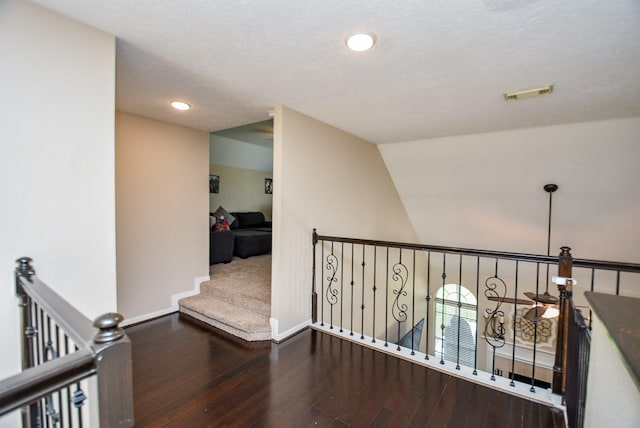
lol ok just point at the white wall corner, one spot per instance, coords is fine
(196, 290)
(174, 304)
(279, 337)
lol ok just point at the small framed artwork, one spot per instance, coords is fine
(268, 186)
(214, 184)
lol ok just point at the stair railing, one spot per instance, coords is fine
(377, 293)
(67, 361)
(571, 366)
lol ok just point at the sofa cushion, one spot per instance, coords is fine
(224, 213)
(249, 242)
(249, 219)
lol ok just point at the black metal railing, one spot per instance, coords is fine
(470, 304)
(61, 350)
(578, 351)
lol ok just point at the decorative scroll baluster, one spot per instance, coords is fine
(494, 326)
(399, 310)
(331, 294)
(362, 304)
(413, 304)
(341, 286)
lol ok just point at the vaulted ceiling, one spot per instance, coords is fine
(438, 68)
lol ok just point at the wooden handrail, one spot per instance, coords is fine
(39, 381)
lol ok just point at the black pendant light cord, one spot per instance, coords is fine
(549, 188)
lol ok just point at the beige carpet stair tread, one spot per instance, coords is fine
(258, 304)
(237, 299)
(228, 317)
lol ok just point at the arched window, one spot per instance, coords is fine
(459, 322)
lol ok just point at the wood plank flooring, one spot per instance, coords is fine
(187, 374)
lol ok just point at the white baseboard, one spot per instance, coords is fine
(174, 304)
(279, 337)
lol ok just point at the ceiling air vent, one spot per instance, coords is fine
(528, 93)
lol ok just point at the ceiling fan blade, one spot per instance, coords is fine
(509, 300)
(545, 298)
(534, 312)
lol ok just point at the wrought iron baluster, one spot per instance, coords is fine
(78, 401)
(494, 324)
(50, 353)
(536, 320)
(413, 304)
(399, 310)
(314, 294)
(428, 299)
(375, 268)
(444, 279)
(459, 313)
(331, 293)
(40, 359)
(322, 284)
(475, 350)
(617, 283)
(513, 325)
(68, 388)
(352, 283)
(362, 306)
(341, 286)
(386, 303)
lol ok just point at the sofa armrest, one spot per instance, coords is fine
(221, 245)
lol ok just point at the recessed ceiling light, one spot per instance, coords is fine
(360, 42)
(179, 105)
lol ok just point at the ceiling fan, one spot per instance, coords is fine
(544, 303)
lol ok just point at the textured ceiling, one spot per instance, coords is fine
(438, 68)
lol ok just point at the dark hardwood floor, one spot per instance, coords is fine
(190, 375)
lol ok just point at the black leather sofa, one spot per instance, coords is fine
(252, 234)
(249, 235)
(220, 246)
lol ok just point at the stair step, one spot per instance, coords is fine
(238, 297)
(233, 319)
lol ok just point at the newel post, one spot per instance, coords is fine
(314, 294)
(28, 334)
(565, 262)
(115, 376)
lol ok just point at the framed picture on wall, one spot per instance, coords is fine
(268, 186)
(214, 184)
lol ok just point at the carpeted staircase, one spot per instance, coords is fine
(237, 299)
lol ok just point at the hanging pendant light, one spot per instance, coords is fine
(544, 302)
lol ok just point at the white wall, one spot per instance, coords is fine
(613, 397)
(56, 163)
(485, 190)
(327, 179)
(162, 187)
(230, 152)
(241, 190)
